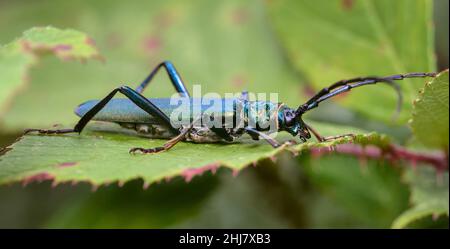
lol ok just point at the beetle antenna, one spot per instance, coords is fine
(346, 85)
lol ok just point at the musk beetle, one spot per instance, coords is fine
(152, 116)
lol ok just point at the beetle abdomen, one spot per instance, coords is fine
(149, 130)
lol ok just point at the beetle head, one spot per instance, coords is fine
(291, 121)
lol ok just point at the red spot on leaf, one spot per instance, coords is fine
(347, 4)
(152, 44)
(240, 16)
(188, 174)
(66, 164)
(39, 177)
(308, 90)
(26, 46)
(316, 152)
(62, 48)
(89, 41)
(238, 81)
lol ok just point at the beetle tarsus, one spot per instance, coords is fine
(147, 151)
(326, 139)
(290, 142)
(321, 139)
(255, 134)
(48, 132)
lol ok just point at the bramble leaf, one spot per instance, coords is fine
(363, 188)
(17, 57)
(429, 196)
(430, 115)
(162, 205)
(430, 126)
(333, 40)
(101, 156)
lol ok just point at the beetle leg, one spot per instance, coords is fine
(339, 136)
(139, 100)
(174, 76)
(324, 139)
(291, 142)
(169, 144)
(177, 82)
(254, 133)
(315, 133)
(41, 131)
(244, 95)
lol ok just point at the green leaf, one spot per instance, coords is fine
(430, 115)
(17, 57)
(232, 203)
(364, 188)
(162, 205)
(429, 196)
(101, 156)
(332, 40)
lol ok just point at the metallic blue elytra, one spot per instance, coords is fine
(261, 114)
(124, 110)
(233, 114)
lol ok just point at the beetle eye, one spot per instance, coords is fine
(289, 118)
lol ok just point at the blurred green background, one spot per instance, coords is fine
(225, 46)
